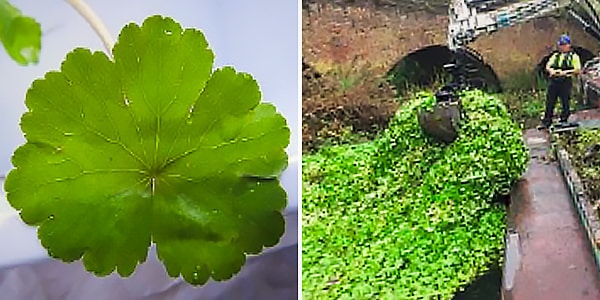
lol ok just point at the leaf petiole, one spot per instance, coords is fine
(92, 18)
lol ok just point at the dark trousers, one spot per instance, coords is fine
(558, 89)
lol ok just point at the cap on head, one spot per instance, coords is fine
(564, 40)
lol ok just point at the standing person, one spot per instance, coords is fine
(562, 67)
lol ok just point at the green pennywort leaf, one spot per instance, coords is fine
(20, 35)
(151, 147)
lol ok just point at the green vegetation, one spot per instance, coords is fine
(526, 106)
(578, 145)
(403, 217)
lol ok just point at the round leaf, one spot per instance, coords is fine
(154, 146)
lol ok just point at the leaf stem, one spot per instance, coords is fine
(90, 16)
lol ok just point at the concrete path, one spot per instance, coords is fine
(548, 254)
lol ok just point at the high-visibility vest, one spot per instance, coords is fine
(564, 61)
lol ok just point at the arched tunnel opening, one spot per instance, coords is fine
(360, 110)
(425, 67)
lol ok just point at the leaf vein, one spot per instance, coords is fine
(234, 141)
(95, 131)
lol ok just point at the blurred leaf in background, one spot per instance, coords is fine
(20, 35)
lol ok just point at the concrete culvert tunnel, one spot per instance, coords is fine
(425, 66)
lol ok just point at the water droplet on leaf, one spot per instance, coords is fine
(51, 217)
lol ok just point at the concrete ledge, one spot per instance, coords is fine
(587, 214)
